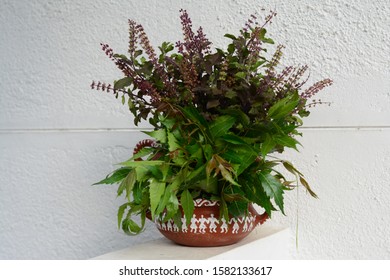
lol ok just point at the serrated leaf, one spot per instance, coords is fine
(187, 203)
(227, 175)
(197, 174)
(127, 184)
(221, 125)
(273, 188)
(115, 177)
(240, 156)
(283, 107)
(193, 114)
(287, 141)
(173, 143)
(233, 139)
(258, 196)
(160, 135)
(156, 191)
(267, 145)
(172, 207)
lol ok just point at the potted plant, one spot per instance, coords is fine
(219, 117)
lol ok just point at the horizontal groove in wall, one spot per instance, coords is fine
(98, 130)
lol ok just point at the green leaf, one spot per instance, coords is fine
(173, 143)
(286, 141)
(273, 188)
(122, 83)
(227, 175)
(258, 196)
(127, 184)
(160, 135)
(195, 152)
(115, 177)
(236, 201)
(141, 153)
(241, 75)
(156, 191)
(283, 107)
(130, 227)
(169, 192)
(177, 219)
(236, 112)
(221, 125)
(231, 48)
(268, 145)
(233, 139)
(223, 210)
(193, 114)
(172, 207)
(187, 203)
(142, 163)
(121, 211)
(243, 155)
(230, 36)
(197, 174)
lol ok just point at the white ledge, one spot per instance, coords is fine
(265, 242)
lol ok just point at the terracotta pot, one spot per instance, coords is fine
(205, 229)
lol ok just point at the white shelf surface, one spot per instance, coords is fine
(264, 243)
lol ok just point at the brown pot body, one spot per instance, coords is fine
(206, 230)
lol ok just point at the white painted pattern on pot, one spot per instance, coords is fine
(210, 224)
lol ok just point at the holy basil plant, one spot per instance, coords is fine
(219, 116)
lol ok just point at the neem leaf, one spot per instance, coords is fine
(160, 135)
(115, 177)
(273, 188)
(221, 125)
(267, 145)
(283, 107)
(128, 184)
(193, 115)
(156, 191)
(142, 163)
(258, 196)
(287, 141)
(130, 227)
(121, 211)
(187, 203)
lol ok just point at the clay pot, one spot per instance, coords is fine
(205, 229)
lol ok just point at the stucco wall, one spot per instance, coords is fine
(57, 137)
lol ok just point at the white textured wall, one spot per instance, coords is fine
(57, 137)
